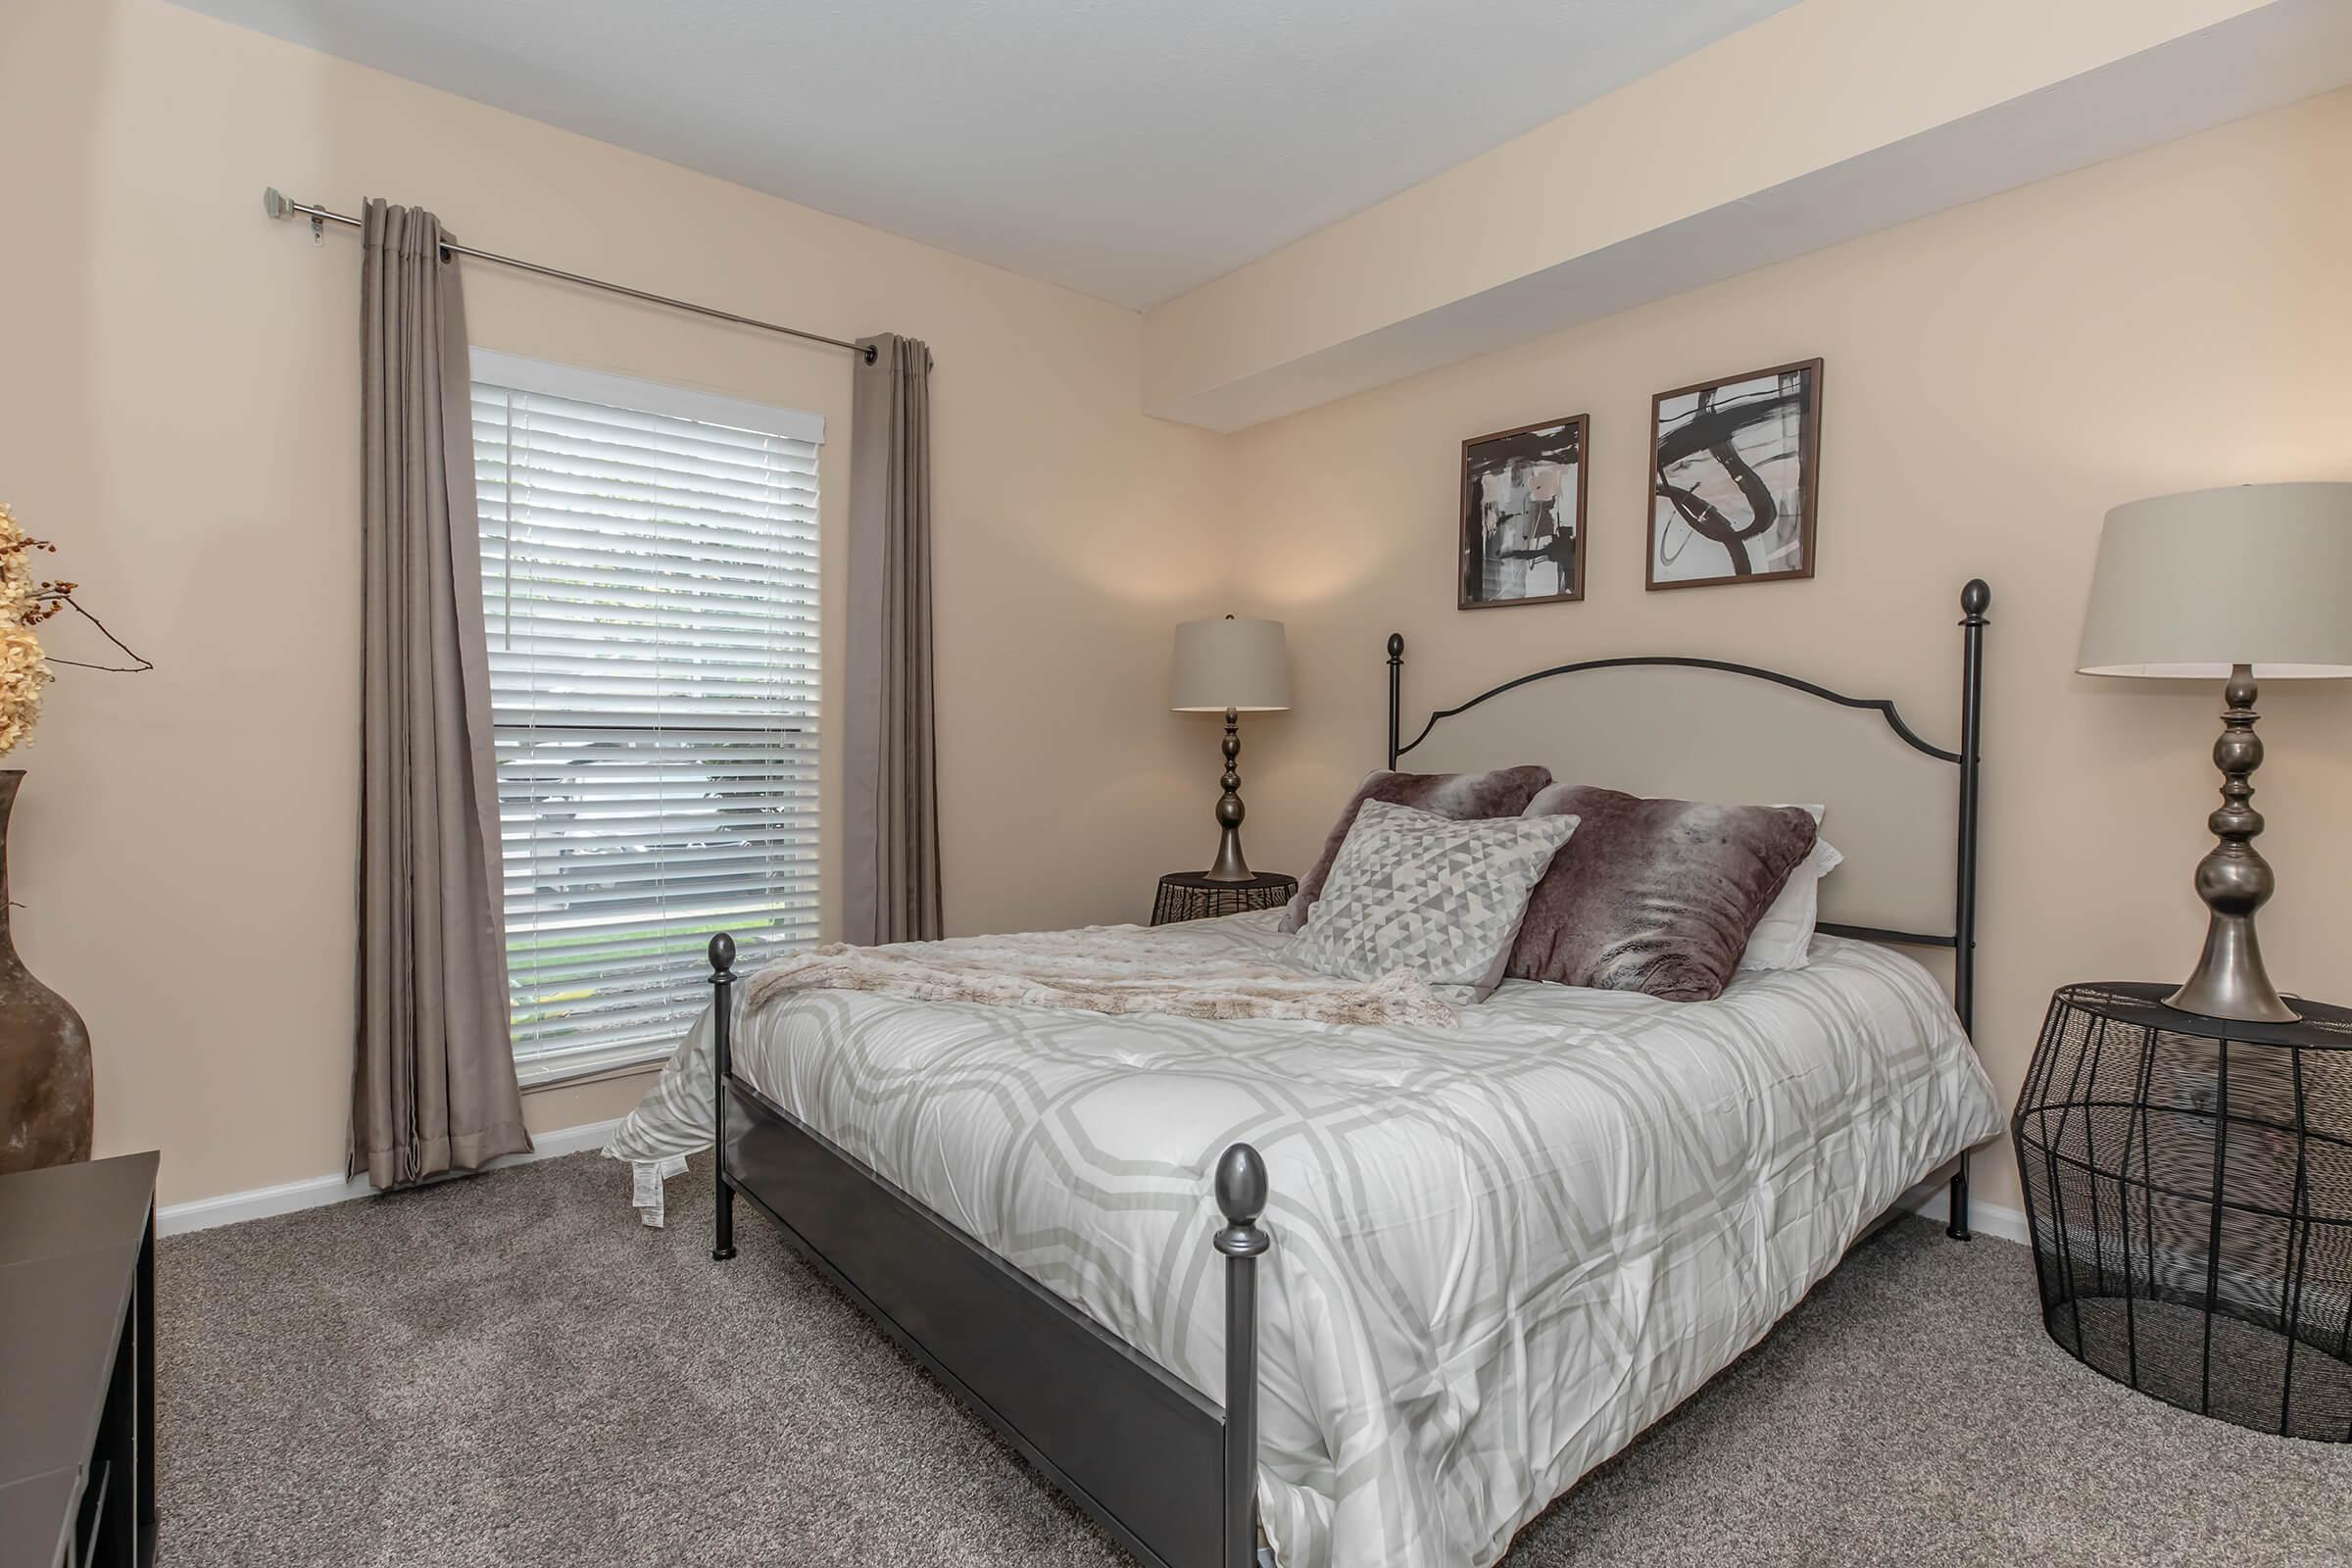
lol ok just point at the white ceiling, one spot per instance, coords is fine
(1129, 150)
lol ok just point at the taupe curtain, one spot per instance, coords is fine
(890, 795)
(433, 1077)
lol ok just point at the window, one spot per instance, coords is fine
(649, 583)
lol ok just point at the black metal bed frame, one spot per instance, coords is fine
(1170, 1473)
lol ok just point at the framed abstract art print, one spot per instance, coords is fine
(1733, 478)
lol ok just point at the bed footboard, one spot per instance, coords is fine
(1168, 1472)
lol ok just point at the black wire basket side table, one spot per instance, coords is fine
(1191, 895)
(2188, 1186)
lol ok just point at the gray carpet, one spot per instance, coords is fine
(512, 1371)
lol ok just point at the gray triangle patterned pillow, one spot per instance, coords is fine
(1413, 890)
(1503, 792)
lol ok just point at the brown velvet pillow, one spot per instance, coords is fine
(1655, 895)
(1464, 796)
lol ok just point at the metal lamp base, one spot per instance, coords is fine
(2235, 880)
(2232, 983)
(1229, 867)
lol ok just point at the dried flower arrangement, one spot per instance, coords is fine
(25, 603)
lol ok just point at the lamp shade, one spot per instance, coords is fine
(2190, 585)
(1224, 663)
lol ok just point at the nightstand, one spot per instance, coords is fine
(77, 1363)
(2188, 1187)
(1193, 896)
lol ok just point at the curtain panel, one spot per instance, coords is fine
(890, 790)
(433, 1087)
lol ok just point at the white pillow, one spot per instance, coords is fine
(1443, 897)
(1780, 938)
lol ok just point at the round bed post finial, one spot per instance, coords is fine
(1396, 646)
(1975, 599)
(1240, 1199)
(723, 953)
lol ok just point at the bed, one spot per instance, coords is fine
(1434, 1275)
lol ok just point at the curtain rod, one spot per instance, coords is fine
(280, 206)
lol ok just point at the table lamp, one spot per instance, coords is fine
(1234, 668)
(2240, 585)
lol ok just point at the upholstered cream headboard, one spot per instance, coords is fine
(1902, 809)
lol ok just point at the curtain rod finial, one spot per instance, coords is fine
(274, 202)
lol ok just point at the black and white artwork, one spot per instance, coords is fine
(1523, 515)
(1734, 470)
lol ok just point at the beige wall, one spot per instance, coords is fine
(177, 409)
(1996, 378)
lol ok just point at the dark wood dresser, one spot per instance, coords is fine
(76, 1369)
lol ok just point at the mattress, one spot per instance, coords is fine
(1499, 1250)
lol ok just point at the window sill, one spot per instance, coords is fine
(571, 1067)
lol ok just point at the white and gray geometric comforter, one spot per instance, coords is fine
(1500, 1250)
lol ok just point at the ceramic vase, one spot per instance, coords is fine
(45, 1101)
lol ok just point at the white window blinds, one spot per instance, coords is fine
(650, 582)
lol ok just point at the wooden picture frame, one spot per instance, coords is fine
(1511, 484)
(1684, 517)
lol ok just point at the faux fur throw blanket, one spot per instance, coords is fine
(1108, 969)
(1101, 969)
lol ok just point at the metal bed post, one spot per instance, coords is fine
(1973, 600)
(722, 1031)
(1395, 690)
(1240, 1199)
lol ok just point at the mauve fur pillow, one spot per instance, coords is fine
(1655, 895)
(1464, 796)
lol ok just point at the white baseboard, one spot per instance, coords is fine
(260, 1202)
(1934, 1201)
